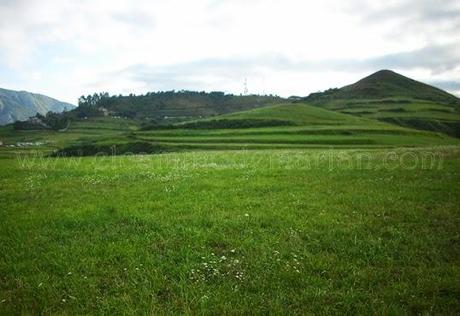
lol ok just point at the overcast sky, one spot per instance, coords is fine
(66, 48)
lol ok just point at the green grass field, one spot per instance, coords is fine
(232, 232)
(289, 208)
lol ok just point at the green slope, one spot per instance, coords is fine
(391, 97)
(300, 114)
(299, 125)
(305, 126)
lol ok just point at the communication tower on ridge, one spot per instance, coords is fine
(245, 90)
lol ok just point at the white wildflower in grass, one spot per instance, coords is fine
(293, 263)
(215, 267)
(247, 215)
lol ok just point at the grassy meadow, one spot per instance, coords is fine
(320, 231)
(287, 208)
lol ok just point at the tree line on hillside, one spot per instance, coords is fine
(164, 103)
(153, 106)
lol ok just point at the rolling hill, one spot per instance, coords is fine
(391, 97)
(20, 105)
(297, 126)
(167, 107)
(385, 84)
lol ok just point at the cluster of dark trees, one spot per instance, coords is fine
(99, 99)
(323, 96)
(89, 106)
(55, 121)
(93, 100)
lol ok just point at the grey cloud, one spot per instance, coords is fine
(423, 11)
(11, 3)
(447, 85)
(421, 18)
(438, 59)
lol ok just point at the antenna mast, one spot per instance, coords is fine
(245, 91)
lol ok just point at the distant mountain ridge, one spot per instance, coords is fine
(20, 105)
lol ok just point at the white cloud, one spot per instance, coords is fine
(284, 47)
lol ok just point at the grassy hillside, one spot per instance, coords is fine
(393, 98)
(419, 114)
(306, 126)
(302, 126)
(385, 84)
(299, 114)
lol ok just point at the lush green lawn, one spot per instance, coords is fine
(298, 231)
